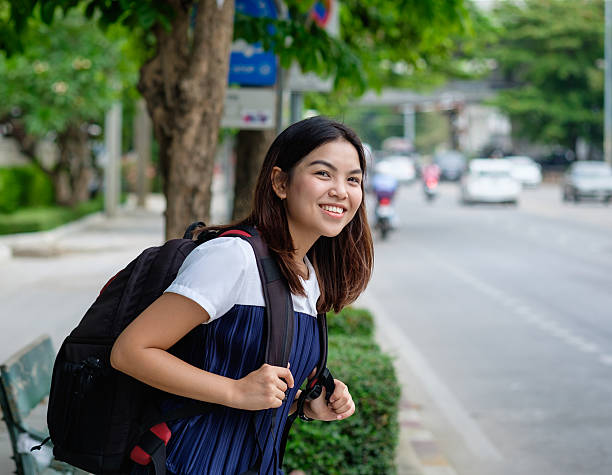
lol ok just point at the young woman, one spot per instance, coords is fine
(309, 209)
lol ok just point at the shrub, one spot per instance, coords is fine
(10, 191)
(351, 321)
(22, 187)
(39, 190)
(364, 443)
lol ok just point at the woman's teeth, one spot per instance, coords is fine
(333, 209)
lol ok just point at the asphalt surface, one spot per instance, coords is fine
(502, 319)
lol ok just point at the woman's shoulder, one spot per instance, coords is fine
(232, 250)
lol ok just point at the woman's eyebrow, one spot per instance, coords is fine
(325, 163)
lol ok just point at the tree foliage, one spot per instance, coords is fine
(551, 52)
(64, 80)
(69, 73)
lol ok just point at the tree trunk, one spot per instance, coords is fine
(184, 87)
(251, 148)
(73, 172)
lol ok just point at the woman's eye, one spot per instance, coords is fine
(322, 173)
(355, 180)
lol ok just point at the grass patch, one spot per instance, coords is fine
(27, 220)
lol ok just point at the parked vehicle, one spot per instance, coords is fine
(525, 170)
(400, 167)
(452, 164)
(490, 181)
(588, 179)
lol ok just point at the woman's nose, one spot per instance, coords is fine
(338, 190)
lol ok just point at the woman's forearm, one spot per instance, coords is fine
(164, 371)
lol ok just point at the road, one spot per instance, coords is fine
(502, 316)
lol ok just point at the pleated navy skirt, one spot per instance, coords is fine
(230, 441)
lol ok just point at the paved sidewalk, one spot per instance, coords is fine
(63, 270)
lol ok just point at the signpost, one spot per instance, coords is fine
(249, 108)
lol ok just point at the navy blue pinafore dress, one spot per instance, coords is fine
(229, 441)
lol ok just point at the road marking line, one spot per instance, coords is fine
(548, 326)
(411, 357)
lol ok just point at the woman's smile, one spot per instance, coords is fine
(333, 211)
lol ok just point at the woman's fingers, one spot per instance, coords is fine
(341, 391)
(349, 412)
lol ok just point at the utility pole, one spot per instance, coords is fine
(408, 112)
(112, 172)
(608, 84)
(142, 140)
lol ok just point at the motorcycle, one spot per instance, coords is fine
(430, 188)
(431, 178)
(384, 215)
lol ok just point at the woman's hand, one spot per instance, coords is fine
(262, 389)
(340, 405)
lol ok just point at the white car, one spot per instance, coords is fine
(490, 181)
(398, 166)
(525, 170)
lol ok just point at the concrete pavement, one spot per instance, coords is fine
(77, 258)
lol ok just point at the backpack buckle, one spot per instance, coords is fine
(150, 442)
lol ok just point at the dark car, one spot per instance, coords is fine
(452, 165)
(588, 179)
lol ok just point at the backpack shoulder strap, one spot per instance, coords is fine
(279, 306)
(322, 379)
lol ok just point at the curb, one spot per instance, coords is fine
(45, 243)
(16, 244)
(418, 452)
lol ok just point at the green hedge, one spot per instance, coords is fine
(364, 443)
(44, 218)
(351, 321)
(22, 187)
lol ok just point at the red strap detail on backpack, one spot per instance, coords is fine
(108, 283)
(139, 456)
(235, 231)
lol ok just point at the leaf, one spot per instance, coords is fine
(47, 11)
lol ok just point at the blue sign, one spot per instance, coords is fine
(250, 65)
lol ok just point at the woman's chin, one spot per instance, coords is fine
(330, 233)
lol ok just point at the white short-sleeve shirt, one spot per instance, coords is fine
(222, 272)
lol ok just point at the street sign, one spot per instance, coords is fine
(250, 65)
(320, 12)
(249, 108)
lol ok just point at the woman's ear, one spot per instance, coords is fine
(279, 182)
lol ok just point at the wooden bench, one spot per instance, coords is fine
(25, 380)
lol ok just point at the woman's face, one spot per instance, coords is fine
(323, 192)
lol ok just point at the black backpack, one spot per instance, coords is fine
(100, 419)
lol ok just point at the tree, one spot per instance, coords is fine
(184, 80)
(552, 51)
(64, 80)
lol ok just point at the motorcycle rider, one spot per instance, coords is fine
(384, 187)
(431, 176)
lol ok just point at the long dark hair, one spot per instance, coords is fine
(343, 263)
